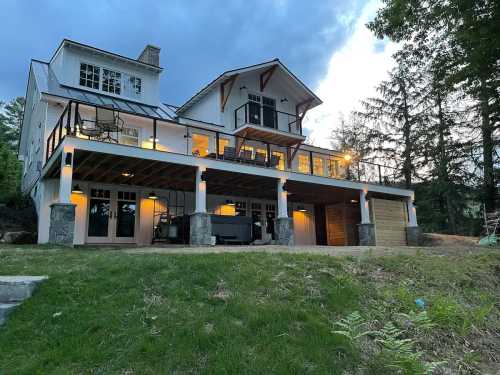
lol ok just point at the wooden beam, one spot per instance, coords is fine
(96, 167)
(224, 92)
(240, 142)
(83, 162)
(266, 76)
(300, 115)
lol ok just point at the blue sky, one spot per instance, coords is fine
(199, 39)
(325, 43)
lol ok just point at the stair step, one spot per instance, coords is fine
(18, 288)
(6, 309)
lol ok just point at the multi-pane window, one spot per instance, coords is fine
(89, 76)
(318, 166)
(199, 145)
(241, 208)
(111, 81)
(303, 163)
(132, 86)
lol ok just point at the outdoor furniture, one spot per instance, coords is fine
(246, 156)
(109, 122)
(275, 161)
(260, 158)
(229, 153)
(88, 128)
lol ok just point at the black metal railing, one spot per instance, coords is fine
(252, 113)
(231, 148)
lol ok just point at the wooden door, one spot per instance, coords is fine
(303, 228)
(342, 224)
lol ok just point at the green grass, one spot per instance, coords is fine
(105, 312)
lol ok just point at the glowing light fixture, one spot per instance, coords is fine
(152, 196)
(153, 139)
(229, 202)
(301, 209)
(347, 157)
(77, 190)
(127, 174)
(354, 201)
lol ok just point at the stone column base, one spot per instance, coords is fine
(284, 231)
(413, 236)
(200, 229)
(366, 234)
(62, 224)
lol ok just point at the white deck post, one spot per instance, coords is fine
(66, 177)
(412, 214)
(282, 200)
(363, 204)
(201, 192)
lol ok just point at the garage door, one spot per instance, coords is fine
(390, 220)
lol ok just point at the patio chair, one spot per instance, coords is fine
(260, 159)
(88, 128)
(109, 122)
(246, 156)
(229, 153)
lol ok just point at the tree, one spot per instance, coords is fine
(11, 117)
(396, 118)
(468, 31)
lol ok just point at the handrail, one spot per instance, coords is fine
(276, 115)
(352, 170)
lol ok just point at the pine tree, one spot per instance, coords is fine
(11, 117)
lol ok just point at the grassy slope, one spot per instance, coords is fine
(237, 313)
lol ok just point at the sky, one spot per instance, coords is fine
(325, 43)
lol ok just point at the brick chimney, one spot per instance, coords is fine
(150, 55)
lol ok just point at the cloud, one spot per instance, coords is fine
(353, 72)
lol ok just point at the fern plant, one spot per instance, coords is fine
(420, 320)
(352, 327)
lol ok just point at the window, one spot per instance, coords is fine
(223, 142)
(249, 150)
(261, 151)
(333, 168)
(111, 81)
(199, 145)
(89, 76)
(129, 136)
(132, 86)
(241, 208)
(303, 163)
(318, 166)
(281, 160)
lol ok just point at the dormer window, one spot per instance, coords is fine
(89, 76)
(111, 81)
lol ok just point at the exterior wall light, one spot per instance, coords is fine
(284, 100)
(347, 157)
(152, 195)
(77, 190)
(68, 159)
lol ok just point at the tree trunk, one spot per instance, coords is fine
(489, 189)
(407, 165)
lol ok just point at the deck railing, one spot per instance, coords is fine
(246, 150)
(252, 113)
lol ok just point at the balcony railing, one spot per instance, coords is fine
(187, 139)
(252, 113)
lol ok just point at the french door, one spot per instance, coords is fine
(112, 216)
(262, 111)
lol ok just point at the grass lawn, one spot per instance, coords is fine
(110, 312)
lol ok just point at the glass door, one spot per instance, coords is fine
(99, 216)
(124, 216)
(254, 116)
(269, 114)
(111, 216)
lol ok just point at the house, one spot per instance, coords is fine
(106, 161)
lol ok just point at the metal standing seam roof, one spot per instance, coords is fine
(47, 83)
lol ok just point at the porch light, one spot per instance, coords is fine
(77, 190)
(347, 157)
(229, 202)
(127, 174)
(301, 209)
(152, 196)
(153, 139)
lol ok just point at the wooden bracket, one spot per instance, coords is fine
(225, 91)
(239, 143)
(266, 76)
(294, 153)
(300, 115)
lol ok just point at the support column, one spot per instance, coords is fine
(366, 228)
(62, 213)
(284, 224)
(413, 233)
(200, 230)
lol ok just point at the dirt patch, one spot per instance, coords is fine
(436, 239)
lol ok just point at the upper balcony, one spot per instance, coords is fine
(264, 122)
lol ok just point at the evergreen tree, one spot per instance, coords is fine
(11, 117)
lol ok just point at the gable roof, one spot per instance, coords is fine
(229, 73)
(99, 51)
